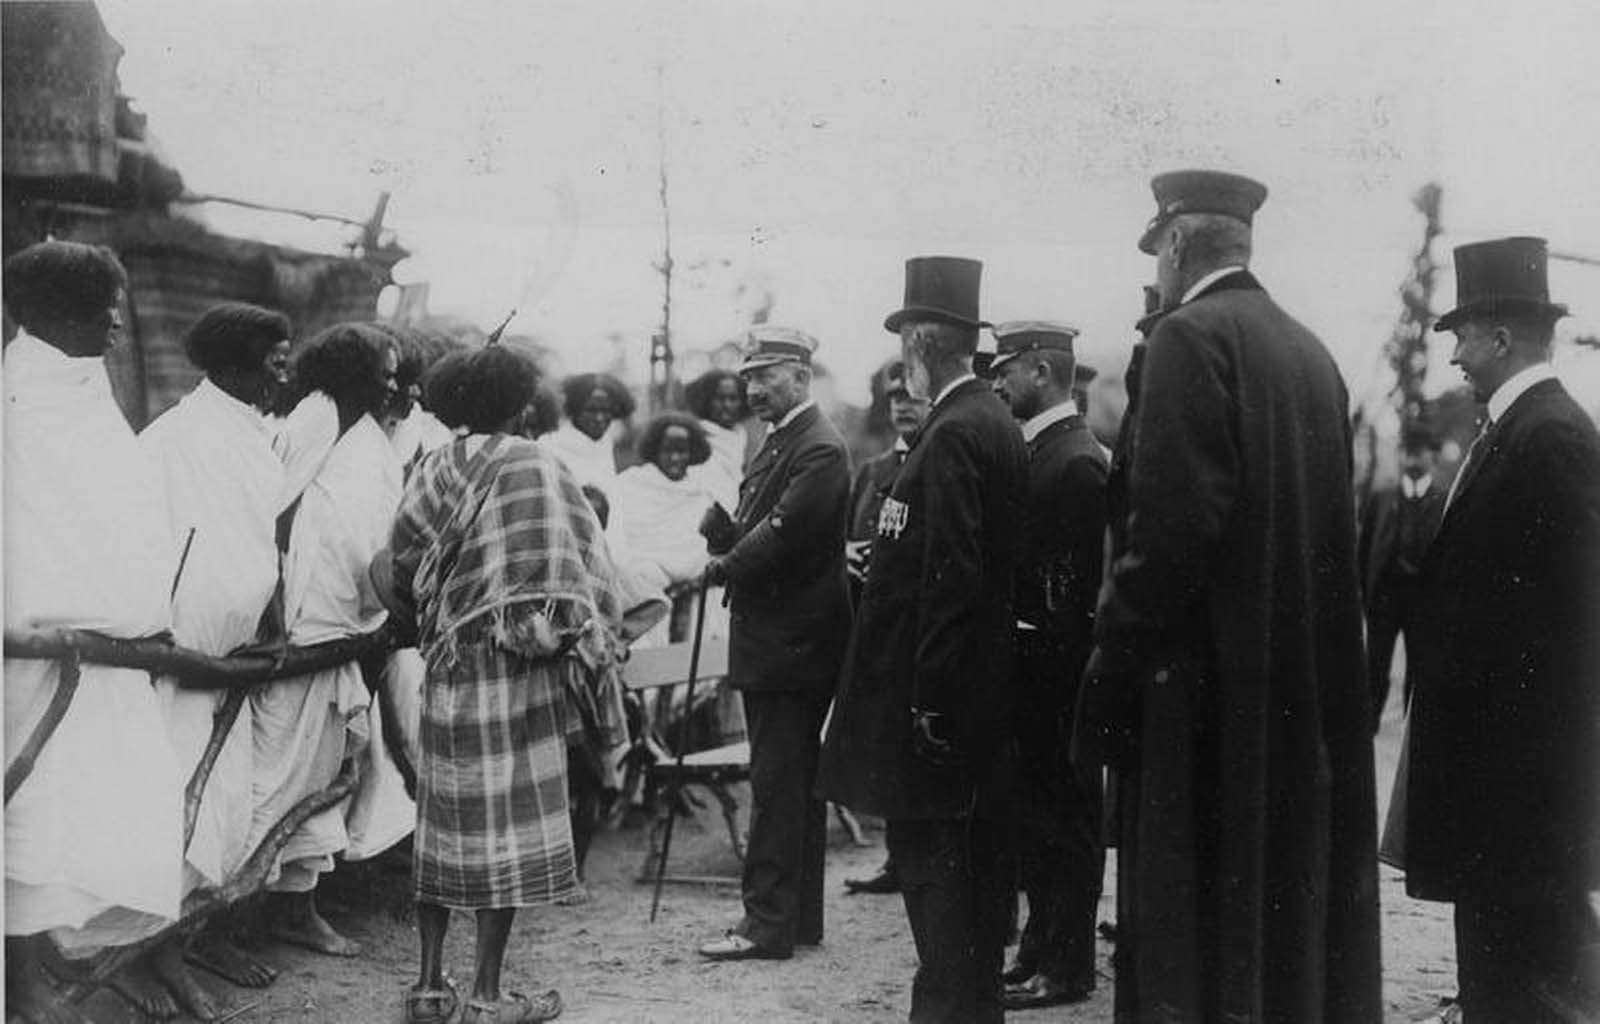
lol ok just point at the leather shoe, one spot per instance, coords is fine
(1041, 991)
(734, 946)
(882, 882)
(1019, 972)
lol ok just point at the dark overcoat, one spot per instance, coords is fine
(1228, 679)
(790, 603)
(1504, 662)
(936, 617)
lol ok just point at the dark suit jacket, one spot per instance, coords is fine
(934, 629)
(791, 609)
(1379, 546)
(1504, 662)
(1229, 653)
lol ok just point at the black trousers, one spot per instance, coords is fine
(1059, 810)
(782, 884)
(1528, 957)
(956, 878)
(1386, 620)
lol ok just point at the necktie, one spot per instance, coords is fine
(1469, 465)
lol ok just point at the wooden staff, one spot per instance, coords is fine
(683, 744)
(252, 874)
(18, 770)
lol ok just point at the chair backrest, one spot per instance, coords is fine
(655, 667)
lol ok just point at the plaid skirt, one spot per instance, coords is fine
(493, 829)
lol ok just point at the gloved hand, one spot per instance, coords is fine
(932, 739)
(718, 528)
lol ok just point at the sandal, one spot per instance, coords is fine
(432, 1005)
(514, 1008)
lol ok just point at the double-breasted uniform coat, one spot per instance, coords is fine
(1228, 679)
(791, 622)
(1057, 804)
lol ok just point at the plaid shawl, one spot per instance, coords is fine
(494, 540)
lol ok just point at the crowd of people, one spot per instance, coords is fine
(1011, 644)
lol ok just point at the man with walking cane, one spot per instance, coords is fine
(781, 556)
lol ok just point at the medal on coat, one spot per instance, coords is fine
(892, 517)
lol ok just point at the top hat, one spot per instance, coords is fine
(1505, 275)
(769, 346)
(940, 288)
(1180, 192)
(1015, 337)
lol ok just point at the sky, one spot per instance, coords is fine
(811, 147)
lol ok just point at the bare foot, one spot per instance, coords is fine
(138, 984)
(31, 999)
(167, 965)
(311, 932)
(211, 951)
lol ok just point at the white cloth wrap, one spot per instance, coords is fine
(304, 727)
(94, 836)
(223, 483)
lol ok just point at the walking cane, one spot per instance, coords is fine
(683, 743)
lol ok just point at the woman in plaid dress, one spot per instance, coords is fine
(499, 557)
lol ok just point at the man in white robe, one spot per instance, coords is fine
(93, 835)
(223, 482)
(342, 488)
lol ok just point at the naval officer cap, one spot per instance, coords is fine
(769, 345)
(1013, 338)
(1216, 192)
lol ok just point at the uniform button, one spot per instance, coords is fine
(1163, 675)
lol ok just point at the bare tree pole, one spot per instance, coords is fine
(661, 345)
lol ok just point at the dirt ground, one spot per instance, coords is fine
(612, 965)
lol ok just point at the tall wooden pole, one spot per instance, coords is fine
(661, 344)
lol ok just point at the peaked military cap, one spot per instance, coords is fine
(1015, 337)
(1219, 192)
(769, 345)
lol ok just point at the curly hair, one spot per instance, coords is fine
(481, 389)
(234, 336)
(55, 281)
(576, 390)
(656, 430)
(699, 393)
(342, 361)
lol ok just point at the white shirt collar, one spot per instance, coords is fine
(1512, 389)
(944, 391)
(900, 445)
(1055, 414)
(790, 416)
(1207, 281)
(1415, 488)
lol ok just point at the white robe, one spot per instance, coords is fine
(304, 727)
(94, 836)
(660, 523)
(593, 462)
(725, 469)
(417, 435)
(223, 483)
